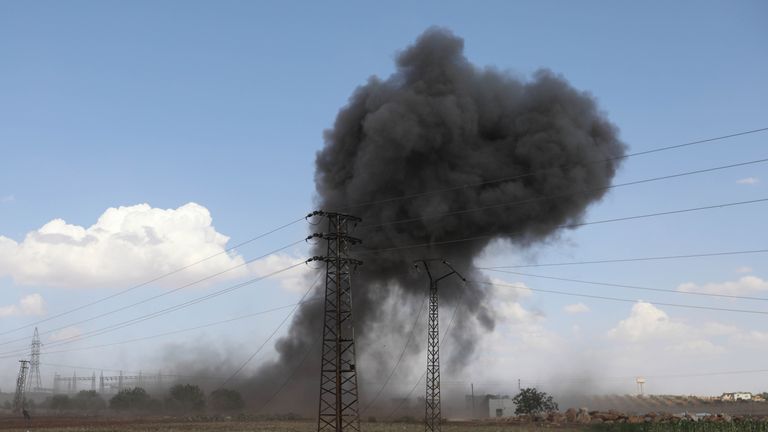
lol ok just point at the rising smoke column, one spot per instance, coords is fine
(440, 122)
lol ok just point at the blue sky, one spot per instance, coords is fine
(108, 104)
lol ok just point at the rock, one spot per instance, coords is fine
(596, 420)
(583, 417)
(570, 415)
(634, 419)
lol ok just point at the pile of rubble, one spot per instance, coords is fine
(583, 416)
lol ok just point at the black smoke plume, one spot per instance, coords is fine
(440, 122)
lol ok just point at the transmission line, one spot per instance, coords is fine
(548, 197)
(571, 225)
(122, 308)
(635, 287)
(518, 176)
(400, 358)
(620, 260)
(290, 375)
(163, 276)
(183, 330)
(258, 350)
(174, 308)
(623, 300)
(442, 343)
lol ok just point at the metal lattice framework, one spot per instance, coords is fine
(432, 412)
(34, 383)
(18, 398)
(338, 378)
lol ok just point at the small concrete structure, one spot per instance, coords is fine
(500, 407)
(736, 396)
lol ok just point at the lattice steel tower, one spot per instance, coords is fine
(18, 398)
(432, 413)
(338, 378)
(33, 382)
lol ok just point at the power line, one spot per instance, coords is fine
(290, 375)
(174, 308)
(163, 276)
(258, 350)
(442, 343)
(211, 324)
(635, 287)
(518, 176)
(610, 261)
(206, 377)
(122, 308)
(547, 197)
(624, 300)
(571, 225)
(400, 358)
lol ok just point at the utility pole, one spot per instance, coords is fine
(433, 415)
(338, 409)
(33, 382)
(18, 398)
(472, 387)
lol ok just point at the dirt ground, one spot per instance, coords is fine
(99, 424)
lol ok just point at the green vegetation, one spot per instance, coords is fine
(687, 426)
(135, 399)
(225, 400)
(185, 398)
(531, 401)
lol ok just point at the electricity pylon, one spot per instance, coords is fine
(33, 381)
(432, 413)
(338, 409)
(18, 398)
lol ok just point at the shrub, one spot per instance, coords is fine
(532, 401)
(88, 400)
(226, 400)
(60, 402)
(186, 397)
(134, 399)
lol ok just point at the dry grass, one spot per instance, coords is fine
(168, 425)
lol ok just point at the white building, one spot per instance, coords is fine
(500, 407)
(736, 396)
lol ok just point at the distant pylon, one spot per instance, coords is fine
(433, 414)
(34, 383)
(338, 376)
(18, 398)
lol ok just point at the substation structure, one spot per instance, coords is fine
(110, 384)
(338, 410)
(432, 411)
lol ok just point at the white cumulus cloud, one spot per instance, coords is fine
(32, 304)
(67, 333)
(749, 181)
(294, 280)
(576, 308)
(745, 285)
(646, 321)
(125, 246)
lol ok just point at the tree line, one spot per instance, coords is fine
(181, 398)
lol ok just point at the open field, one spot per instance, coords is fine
(105, 424)
(74, 424)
